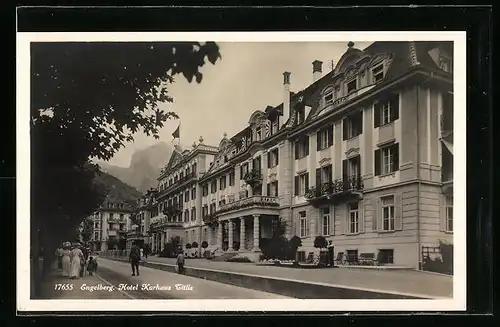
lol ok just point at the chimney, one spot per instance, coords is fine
(317, 70)
(286, 99)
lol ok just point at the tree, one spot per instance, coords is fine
(88, 229)
(194, 245)
(295, 242)
(87, 100)
(204, 244)
(320, 242)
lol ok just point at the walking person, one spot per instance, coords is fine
(134, 258)
(66, 260)
(92, 266)
(180, 262)
(76, 262)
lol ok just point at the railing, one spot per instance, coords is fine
(256, 200)
(339, 186)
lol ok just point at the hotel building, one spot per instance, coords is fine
(111, 224)
(363, 156)
(176, 207)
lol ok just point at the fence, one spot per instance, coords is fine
(115, 253)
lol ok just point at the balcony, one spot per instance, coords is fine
(258, 201)
(211, 220)
(179, 183)
(335, 192)
(164, 222)
(253, 177)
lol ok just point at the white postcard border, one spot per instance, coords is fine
(24, 303)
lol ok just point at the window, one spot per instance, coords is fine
(302, 147)
(96, 225)
(378, 73)
(193, 214)
(388, 213)
(222, 182)
(323, 175)
(274, 127)
(301, 115)
(96, 235)
(181, 175)
(186, 216)
(386, 256)
(304, 226)
(258, 133)
(193, 193)
(352, 125)
(387, 160)
(301, 256)
(213, 186)
(204, 210)
(352, 86)
(193, 168)
(328, 97)
(353, 219)
(386, 111)
(205, 189)
(186, 196)
(231, 178)
(326, 221)
(324, 138)
(272, 158)
(449, 214)
(213, 207)
(243, 170)
(256, 163)
(272, 189)
(301, 183)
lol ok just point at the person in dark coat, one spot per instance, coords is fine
(134, 258)
(180, 262)
(92, 266)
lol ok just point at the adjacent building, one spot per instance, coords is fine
(363, 156)
(176, 207)
(111, 224)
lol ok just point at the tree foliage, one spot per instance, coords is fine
(320, 242)
(88, 229)
(87, 100)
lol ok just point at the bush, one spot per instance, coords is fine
(320, 242)
(239, 259)
(194, 245)
(188, 246)
(204, 244)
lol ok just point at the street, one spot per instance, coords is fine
(114, 281)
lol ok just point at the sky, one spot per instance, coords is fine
(249, 77)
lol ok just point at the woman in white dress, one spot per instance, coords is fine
(66, 260)
(76, 260)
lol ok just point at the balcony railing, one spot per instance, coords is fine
(256, 200)
(336, 190)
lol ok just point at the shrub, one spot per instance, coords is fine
(188, 246)
(239, 259)
(204, 244)
(194, 245)
(320, 242)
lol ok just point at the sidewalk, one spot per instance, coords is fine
(397, 281)
(51, 288)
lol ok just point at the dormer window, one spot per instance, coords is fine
(301, 115)
(378, 73)
(445, 64)
(352, 86)
(328, 97)
(258, 133)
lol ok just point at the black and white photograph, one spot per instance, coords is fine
(241, 171)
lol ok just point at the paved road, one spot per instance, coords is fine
(114, 281)
(398, 281)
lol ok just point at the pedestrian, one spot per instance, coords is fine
(66, 260)
(146, 251)
(92, 266)
(142, 253)
(134, 258)
(180, 262)
(76, 262)
(59, 254)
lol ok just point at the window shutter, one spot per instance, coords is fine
(296, 185)
(268, 189)
(358, 160)
(297, 227)
(307, 145)
(361, 121)
(362, 208)
(442, 213)
(398, 212)
(330, 173)
(395, 150)
(269, 160)
(276, 194)
(318, 140)
(377, 162)
(277, 156)
(297, 150)
(318, 177)
(307, 181)
(346, 217)
(375, 214)
(344, 129)
(330, 135)
(332, 220)
(376, 114)
(340, 216)
(344, 170)
(394, 103)
(380, 217)
(241, 172)
(308, 229)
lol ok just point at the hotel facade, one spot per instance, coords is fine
(363, 156)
